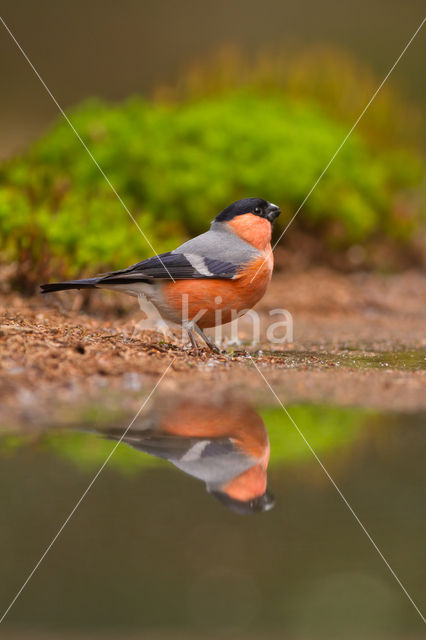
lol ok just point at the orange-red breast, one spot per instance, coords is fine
(208, 280)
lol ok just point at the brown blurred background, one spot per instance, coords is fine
(112, 49)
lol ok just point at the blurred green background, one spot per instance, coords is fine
(226, 100)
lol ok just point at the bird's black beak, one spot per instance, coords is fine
(272, 212)
(267, 501)
(261, 503)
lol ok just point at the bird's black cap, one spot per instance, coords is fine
(257, 206)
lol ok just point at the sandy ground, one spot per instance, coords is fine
(358, 339)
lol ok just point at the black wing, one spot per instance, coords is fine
(170, 266)
(174, 447)
(176, 266)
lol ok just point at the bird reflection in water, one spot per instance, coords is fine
(224, 444)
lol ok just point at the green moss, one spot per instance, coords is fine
(412, 360)
(177, 165)
(327, 429)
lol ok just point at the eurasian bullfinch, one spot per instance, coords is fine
(207, 281)
(223, 444)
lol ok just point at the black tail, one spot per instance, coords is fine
(89, 283)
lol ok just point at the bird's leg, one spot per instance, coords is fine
(192, 338)
(206, 339)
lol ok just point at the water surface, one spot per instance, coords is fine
(151, 551)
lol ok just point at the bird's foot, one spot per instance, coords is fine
(214, 348)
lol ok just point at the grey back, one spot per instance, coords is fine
(220, 243)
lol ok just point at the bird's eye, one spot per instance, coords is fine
(258, 210)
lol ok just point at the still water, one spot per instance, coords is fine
(213, 519)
